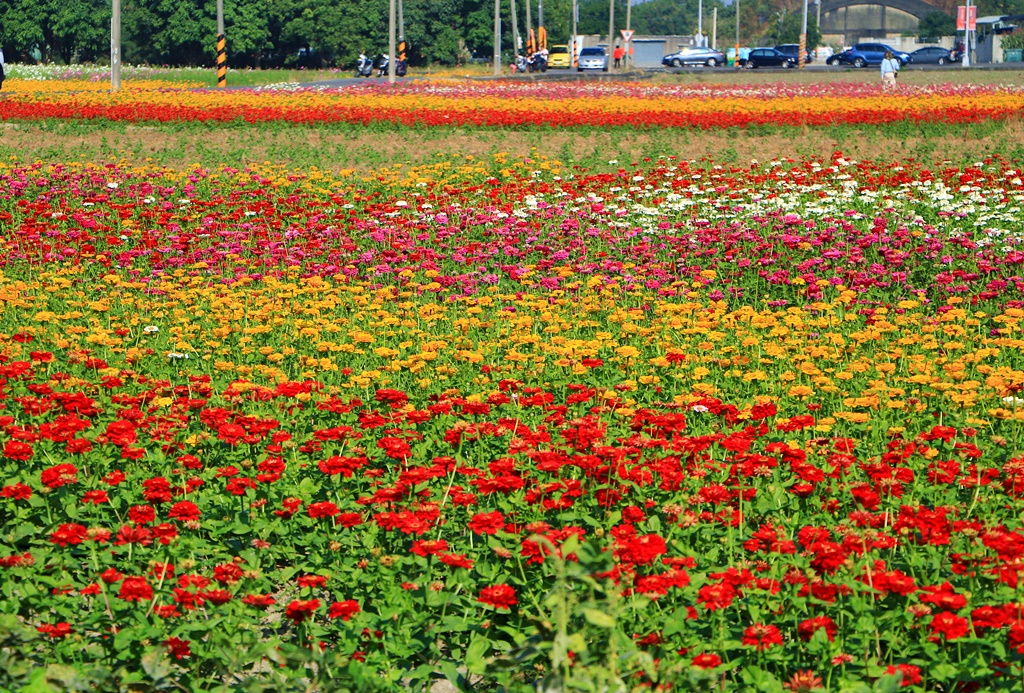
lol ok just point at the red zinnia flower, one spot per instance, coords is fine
(344, 610)
(299, 610)
(808, 628)
(18, 491)
(135, 589)
(715, 597)
(260, 601)
(911, 674)
(762, 636)
(323, 509)
(707, 660)
(56, 630)
(185, 511)
(949, 626)
(177, 648)
(16, 450)
(60, 475)
(498, 596)
(487, 523)
(95, 497)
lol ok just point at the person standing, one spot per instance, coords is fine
(890, 68)
(617, 55)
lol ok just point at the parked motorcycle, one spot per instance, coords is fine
(382, 65)
(364, 67)
(537, 63)
(401, 68)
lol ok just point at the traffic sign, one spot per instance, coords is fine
(627, 34)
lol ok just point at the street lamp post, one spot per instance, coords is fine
(497, 37)
(611, 25)
(392, 40)
(628, 62)
(736, 59)
(115, 45)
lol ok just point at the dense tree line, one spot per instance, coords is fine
(265, 33)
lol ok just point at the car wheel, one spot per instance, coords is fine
(830, 61)
(787, 65)
(712, 62)
(942, 61)
(677, 63)
(859, 62)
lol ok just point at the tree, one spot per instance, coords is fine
(787, 30)
(936, 25)
(63, 29)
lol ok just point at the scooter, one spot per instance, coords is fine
(401, 68)
(364, 67)
(382, 65)
(537, 63)
(520, 64)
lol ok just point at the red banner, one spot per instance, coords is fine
(965, 21)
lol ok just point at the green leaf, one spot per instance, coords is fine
(37, 683)
(156, 664)
(598, 618)
(476, 654)
(676, 623)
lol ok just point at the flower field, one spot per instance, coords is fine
(504, 422)
(510, 104)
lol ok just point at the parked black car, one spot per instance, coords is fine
(768, 57)
(793, 49)
(932, 55)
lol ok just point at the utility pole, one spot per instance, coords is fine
(575, 17)
(392, 27)
(529, 27)
(700, 18)
(540, 12)
(802, 58)
(401, 20)
(611, 26)
(115, 45)
(714, 29)
(515, 34)
(967, 36)
(628, 62)
(222, 48)
(736, 60)
(818, 3)
(497, 37)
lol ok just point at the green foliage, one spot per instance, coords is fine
(787, 30)
(64, 30)
(1014, 40)
(936, 25)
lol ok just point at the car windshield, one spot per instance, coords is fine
(592, 51)
(559, 49)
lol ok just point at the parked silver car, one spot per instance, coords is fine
(694, 56)
(593, 58)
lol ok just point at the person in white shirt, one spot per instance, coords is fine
(890, 68)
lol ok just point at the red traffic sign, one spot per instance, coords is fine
(627, 34)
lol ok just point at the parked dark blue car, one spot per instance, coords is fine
(864, 54)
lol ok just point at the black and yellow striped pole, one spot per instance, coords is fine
(222, 48)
